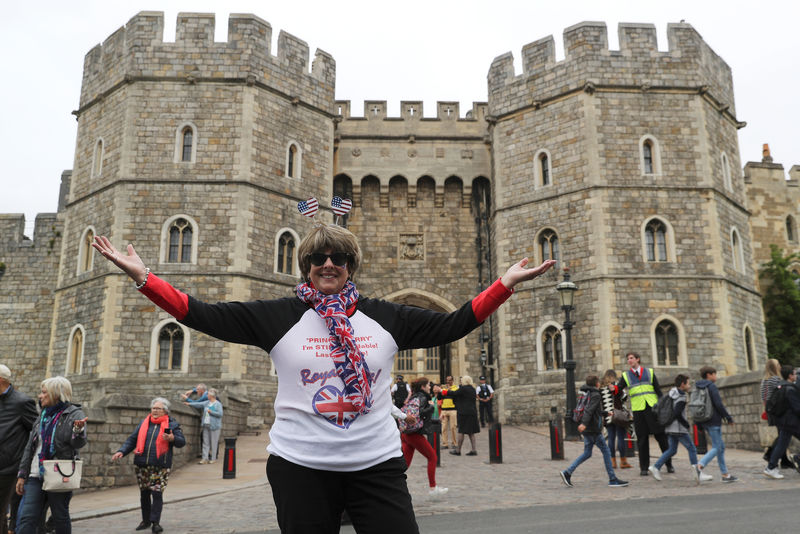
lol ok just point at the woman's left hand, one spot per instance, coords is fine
(169, 437)
(518, 273)
(80, 423)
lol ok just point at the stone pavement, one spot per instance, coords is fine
(199, 500)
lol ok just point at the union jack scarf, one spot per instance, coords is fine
(347, 359)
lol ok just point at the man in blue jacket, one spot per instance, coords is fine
(714, 425)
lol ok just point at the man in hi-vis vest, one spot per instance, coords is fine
(644, 392)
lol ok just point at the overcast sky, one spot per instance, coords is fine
(409, 50)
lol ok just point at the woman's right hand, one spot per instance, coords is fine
(20, 486)
(130, 263)
(117, 456)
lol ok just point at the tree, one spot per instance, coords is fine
(782, 306)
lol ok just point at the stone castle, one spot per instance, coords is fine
(622, 164)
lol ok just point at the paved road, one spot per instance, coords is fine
(524, 490)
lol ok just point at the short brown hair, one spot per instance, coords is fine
(418, 384)
(592, 381)
(681, 379)
(707, 370)
(329, 237)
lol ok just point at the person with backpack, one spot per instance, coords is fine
(707, 389)
(401, 392)
(678, 429)
(415, 437)
(589, 413)
(772, 377)
(783, 405)
(644, 391)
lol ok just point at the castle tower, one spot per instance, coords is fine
(197, 153)
(624, 164)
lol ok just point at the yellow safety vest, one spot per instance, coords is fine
(447, 402)
(641, 390)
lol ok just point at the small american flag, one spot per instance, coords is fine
(341, 205)
(308, 207)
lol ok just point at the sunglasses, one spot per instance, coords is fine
(339, 259)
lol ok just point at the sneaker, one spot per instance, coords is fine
(696, 473)
(211, 461)
(617, 483)
(437, 490)
(472, 453)
(772, 473)
(567, 478)
(656, 472)
(730, 478)
(203, 461)
(703, 477)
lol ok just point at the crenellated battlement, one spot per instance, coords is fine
(375, 119)
(689, 63)
(138, 51)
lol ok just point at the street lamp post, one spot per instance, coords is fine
(566, 293)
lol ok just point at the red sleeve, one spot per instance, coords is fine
(489, 300)
(166, 297)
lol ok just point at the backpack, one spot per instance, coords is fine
(665, 410)
(700, 407)
(411, 407)
(400, 394)
(777, 403)
(580, 409)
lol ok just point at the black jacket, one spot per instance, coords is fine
(149, 456)
(17, 416)
(593, 414)
(790, 420)
(66, 443)
(465, 400)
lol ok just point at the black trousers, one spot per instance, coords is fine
(311, 500)
(485, 408)
(7, 493)
(645, 423)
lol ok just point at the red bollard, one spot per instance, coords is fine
(699, 439)
(495, 444)
(229, 460)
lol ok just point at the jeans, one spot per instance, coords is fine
(674, 439)
(781, 444)
(616, 433)
(32, 504)
(589, 441)
(717, 449)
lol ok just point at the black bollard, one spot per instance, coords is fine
(630, 445)
(229, 461)
(556, 436)
(699, 439)
(434, 438)
(495, 444)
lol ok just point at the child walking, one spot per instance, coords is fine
(678, 430)
(591, 426)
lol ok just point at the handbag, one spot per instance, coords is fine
(621, 417)
(62, 475)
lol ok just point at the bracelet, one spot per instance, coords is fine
(146, 274)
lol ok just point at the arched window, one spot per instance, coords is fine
(405, 360)
(97, 159)
(551, 347)
(186, 139)
(791, 232)
(85, 251)
(548, 245)
(749, 350)
(180, 242)
(736, 251)
(649, 155)
(170, 347)
(187, 144)
(667, 343)
(656, 240)
(286, 246)
(75, 351)
(726, 171)
(293, 160)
